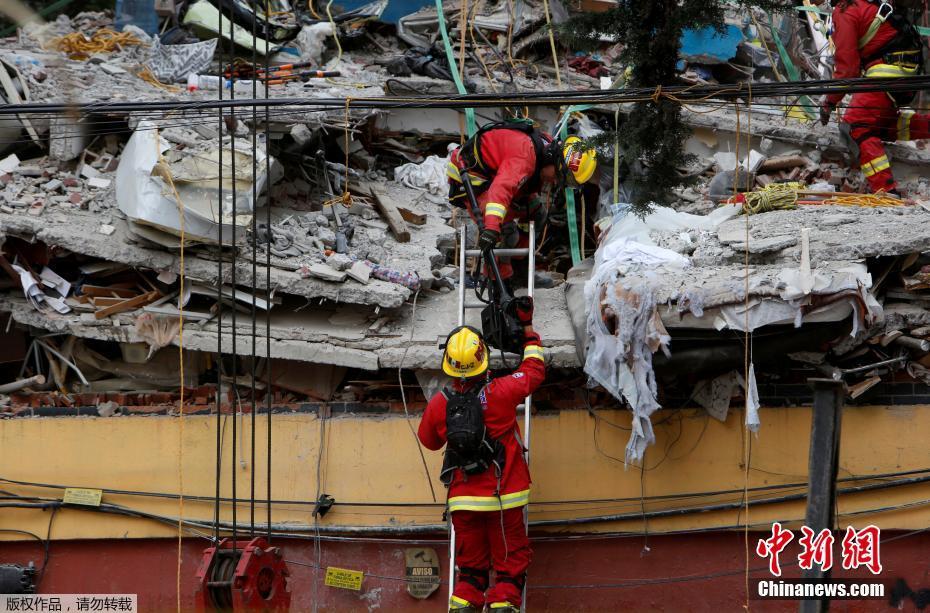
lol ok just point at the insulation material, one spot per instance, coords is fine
(144, 193)
(157, 332)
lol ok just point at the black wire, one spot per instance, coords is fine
(268, 204)
(664, 497)
(233, 126)
(254, 274)
(46, 544)
(219, 302)
(204, 119)
(688, 94)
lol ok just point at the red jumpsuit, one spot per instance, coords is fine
(509, 155)
(872, 117)
(489, 521)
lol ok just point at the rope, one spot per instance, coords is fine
(104, 40)
(747, 365)
(555, 56)
(862, 200)
(146, 75)
(335, 32)
(772, 197)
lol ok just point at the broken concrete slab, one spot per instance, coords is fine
(322, 271)
(360, 272)
(77, 234)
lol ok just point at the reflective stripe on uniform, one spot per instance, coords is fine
(904, 125)
(496, 209)
(454, 173)
(489, 503)
(534, 351)
(458, 603)
(888, 71)
(875, 166)
(502, 605)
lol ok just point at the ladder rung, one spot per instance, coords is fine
(499, 252)
(475, 305)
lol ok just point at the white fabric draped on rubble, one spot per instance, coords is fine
(633, 276)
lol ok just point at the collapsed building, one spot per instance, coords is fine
(304, 260)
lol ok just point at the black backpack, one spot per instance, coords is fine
(468, 446)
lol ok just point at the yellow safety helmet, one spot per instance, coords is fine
(580, 162)
(466, 354)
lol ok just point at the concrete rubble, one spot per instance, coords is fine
(333, 244)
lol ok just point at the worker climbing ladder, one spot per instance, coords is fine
(464, 254)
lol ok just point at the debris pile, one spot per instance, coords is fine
(327, 236)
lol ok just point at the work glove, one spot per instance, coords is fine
(488, 239)
(523, 309)
(826, 109)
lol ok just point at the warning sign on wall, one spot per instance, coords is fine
(422, 571)
(344, 578)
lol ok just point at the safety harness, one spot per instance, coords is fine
(481, 174)
(902, 56)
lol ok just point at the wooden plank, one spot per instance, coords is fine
(391, 215)
(100, 291)
(102, 302)
(128, 305)
(410, 217)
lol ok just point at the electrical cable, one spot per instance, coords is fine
(164, 171)
(676, 93)
(233, 126)
(254, 283)
(403, 398)
(269, 198)
(192, 120)
(574, 521)
(666, 497)
(219, 307)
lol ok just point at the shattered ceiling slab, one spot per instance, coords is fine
(341, 336)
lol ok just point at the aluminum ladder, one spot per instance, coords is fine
(464, 304)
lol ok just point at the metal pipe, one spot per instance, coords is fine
(462, 237)
(15, 386)
(66, 361)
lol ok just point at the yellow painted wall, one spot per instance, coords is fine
(376, 459)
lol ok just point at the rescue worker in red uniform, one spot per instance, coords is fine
(487, 507)
(511, 164)
(873, 40)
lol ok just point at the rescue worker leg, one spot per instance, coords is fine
(472, 558)
(510, 556)
(872, 118)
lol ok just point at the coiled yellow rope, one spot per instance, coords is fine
(79, 47)
(772, 197)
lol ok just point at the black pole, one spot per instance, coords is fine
(826, 419)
